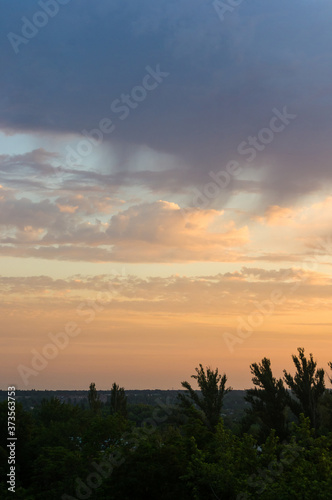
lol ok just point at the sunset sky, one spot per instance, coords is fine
(166, 175)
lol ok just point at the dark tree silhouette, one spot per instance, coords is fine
(118, 400)
(269, 399)
(93, 398)
(307, 385)
(212, 386)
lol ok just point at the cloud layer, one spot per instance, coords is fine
(225, 78)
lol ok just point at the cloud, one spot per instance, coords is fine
(87, 205)
(224, 81)
(42, 170)
(68, 225)
(22, 212)
(309, 225)
(149, 232)
(278, 216)
(160, 232)
(218, 294)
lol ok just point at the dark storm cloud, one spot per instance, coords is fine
(225, 78)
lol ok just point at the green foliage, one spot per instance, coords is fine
(165, 452)
(138, 412)
(212, 387)
(153, 465)
(54, 472)
(100, 434)
(93, 398)
(221, 471)
(304, 467)
(53, 410)
(118, 400)
(307, 385)
(268, 400)
(325, 412)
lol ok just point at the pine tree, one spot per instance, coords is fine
(93, 398)
(307, 386)
(268, 399)
(212, 386)
(118, 400)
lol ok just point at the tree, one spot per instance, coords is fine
(54, 472)
(330, 365)
(268, 399)
(212, 386)
(307, 385)
(118, 400)
(221, 471)
(152, 468)
(93, 398)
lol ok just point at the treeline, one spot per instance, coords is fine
(181, 449)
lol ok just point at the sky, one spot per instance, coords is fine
(165, 199)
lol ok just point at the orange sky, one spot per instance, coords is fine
(153, 332)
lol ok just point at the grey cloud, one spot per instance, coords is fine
(225, 79)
